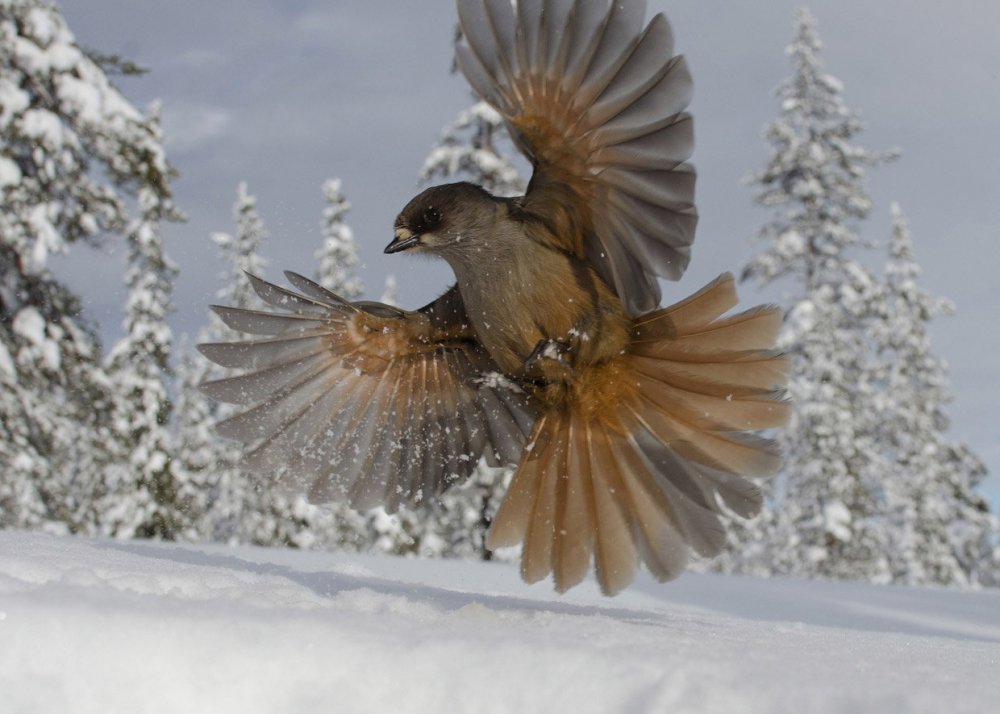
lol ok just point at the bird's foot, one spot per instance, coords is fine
(549, 357)
(549, 349)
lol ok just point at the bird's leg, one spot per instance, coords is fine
(554, 359)
(550, 365)
(548, 350)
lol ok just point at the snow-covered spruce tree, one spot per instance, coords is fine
(390, 291)
(941, 530)
(337, 259)
(241, 251)
(470, 149)
(826, 514)
(72, 150)
(234, 507)
(147, 500)
(199, 453)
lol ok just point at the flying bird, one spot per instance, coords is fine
(633, 427)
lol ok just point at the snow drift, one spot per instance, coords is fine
(124, 626)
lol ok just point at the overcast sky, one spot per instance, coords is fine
(285, 93)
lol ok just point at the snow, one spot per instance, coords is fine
(10, 174)
(837, 519)
(29, 324)
(42, 127)
(98, 626)
(81, 98)
(39, 24)
(7, 368)
(13, 100)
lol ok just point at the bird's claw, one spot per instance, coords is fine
(549, 350)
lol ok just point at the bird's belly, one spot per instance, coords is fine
(514, 325)
(510, 341)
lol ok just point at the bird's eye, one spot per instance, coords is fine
(432, 216)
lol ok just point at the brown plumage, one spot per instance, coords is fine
(632, 427)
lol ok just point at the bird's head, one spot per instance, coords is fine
(449, 220)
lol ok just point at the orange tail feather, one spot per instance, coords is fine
(640, 460)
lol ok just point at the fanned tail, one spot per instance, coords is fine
(640, 462)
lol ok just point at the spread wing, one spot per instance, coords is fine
(596, 102)
(361, 401)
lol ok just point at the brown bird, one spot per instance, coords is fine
(632, 427)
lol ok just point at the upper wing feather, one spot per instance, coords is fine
(362, 401)
(597, 103)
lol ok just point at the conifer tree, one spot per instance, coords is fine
(222, 497)
(826, 520)
(200, 455)
(472, 149)
(390, 291)
(139, 367)
(240, 508)
(338, 257)
(73, 151)
(236, 506)
(941, 529)
(241, 253)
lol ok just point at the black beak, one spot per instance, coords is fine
(399, 245)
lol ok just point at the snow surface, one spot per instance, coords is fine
(119, 626)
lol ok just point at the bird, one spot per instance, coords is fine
(636, 429)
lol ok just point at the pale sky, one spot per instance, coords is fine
(285, 93)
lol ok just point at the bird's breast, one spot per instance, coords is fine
(541, 295)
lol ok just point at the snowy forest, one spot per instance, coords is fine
(116, 440)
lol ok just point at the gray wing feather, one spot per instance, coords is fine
(617, 39)
(660, 150)
(656, 108)
(254, 322)
(318, 292)
(259, 354)
(285, 299)
(256, 386)
(634, 77)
